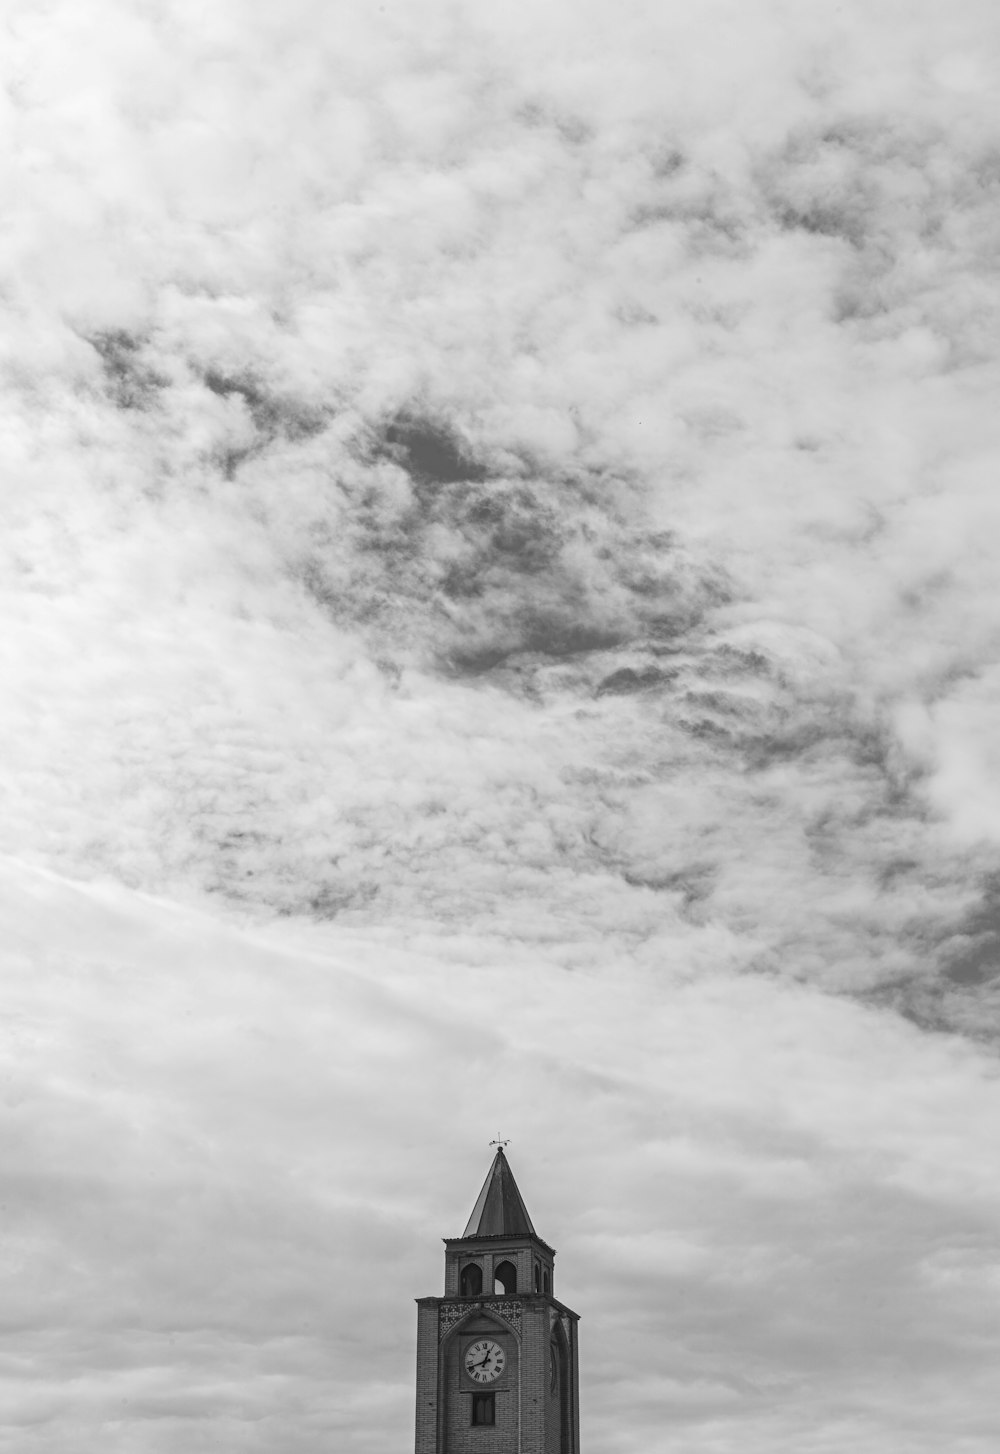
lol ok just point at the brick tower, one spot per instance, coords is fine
(497, 1367)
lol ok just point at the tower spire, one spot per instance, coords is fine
(499, 1209)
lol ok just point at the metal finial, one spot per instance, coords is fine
(499, 1143)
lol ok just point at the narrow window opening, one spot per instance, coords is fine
(470, 1283)
(545, 1282)
(484, 1408)
(538, 1278)
(505, 1279)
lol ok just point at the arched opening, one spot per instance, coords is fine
(505, 1279)
(545, 1282)
(538, 1278)
(470, 1282)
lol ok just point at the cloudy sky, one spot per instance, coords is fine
(500, 635)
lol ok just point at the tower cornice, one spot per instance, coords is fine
(498, 1239)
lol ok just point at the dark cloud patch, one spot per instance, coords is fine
(631, 679)
(431, 452)
(336, 897)
(273, 414)
(951, 982)
(546, 632)
(571, 129)
(693, 883)
(971, 957)
(933, 1003)
(727, 660)
(715, 217)
(434, 547)
(896, 869)
(507, 525)
(793, 729)
(131, 381)
(842, 181)
(667, 161)
(979, 963)
(912, 996)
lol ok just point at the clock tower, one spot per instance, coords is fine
(497, 1365)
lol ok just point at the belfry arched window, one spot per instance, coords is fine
(537, 1278)
(470, 1282)
(545, 1282)
(505, 1279)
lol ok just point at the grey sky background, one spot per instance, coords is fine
(501, 619)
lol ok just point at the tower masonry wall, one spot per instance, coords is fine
(427, 1376)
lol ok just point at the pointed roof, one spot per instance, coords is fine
(499, 1209)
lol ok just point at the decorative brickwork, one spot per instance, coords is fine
(451, 1313)
(510, 1312)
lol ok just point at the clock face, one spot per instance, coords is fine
(484, 1361)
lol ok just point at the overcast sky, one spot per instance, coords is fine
(500, 603)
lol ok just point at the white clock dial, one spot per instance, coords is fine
(484, 1361)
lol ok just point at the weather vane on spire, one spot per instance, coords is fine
(499, 1143)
